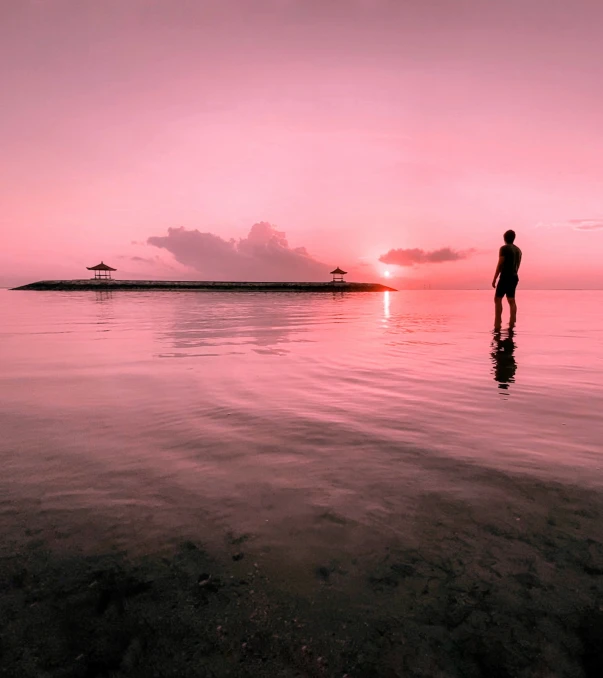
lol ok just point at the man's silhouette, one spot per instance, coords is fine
(509, 259)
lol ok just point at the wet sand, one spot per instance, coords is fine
(506, 583)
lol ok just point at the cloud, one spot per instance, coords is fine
(141, 260)
(587, 224)
(264, 254)
(412, 257)
(146, 260)
(576, 224)
(137, 265)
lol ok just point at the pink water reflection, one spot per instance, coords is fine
(161, 415)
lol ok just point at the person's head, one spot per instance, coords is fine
(509, 237)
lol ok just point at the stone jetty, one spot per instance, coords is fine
(205, 286)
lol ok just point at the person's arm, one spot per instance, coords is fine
(501, 261)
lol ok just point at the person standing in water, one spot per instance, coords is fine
(509, 260)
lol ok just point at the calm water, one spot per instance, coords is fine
(143, 418)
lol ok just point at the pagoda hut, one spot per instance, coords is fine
(101, 271)
(338, 275)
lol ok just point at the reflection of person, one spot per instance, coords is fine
(503, 359)
(509, 259)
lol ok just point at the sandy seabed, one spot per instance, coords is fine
(511, 585)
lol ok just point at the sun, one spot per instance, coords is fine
(386, 274)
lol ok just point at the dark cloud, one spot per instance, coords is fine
(263, 255)
(412, 257)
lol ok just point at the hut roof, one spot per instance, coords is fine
(338, 271)
(101, 267)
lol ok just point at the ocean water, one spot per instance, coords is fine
(312, 423)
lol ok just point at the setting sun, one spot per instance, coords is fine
(386, 274)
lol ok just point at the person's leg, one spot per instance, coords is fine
(513, 310)
(498, 297)
(497, 312)
(511, 299)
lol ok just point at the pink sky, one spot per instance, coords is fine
(352, 126)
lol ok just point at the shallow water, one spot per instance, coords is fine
(312, 422)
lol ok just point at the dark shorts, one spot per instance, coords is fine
(506, 286)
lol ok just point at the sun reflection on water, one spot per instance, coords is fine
(386, 305)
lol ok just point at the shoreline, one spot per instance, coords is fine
(200, 285)
(507, 584)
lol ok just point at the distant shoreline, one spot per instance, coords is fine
(137, 285)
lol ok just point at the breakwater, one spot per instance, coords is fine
(222, 286)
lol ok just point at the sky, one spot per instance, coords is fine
(278, 139)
